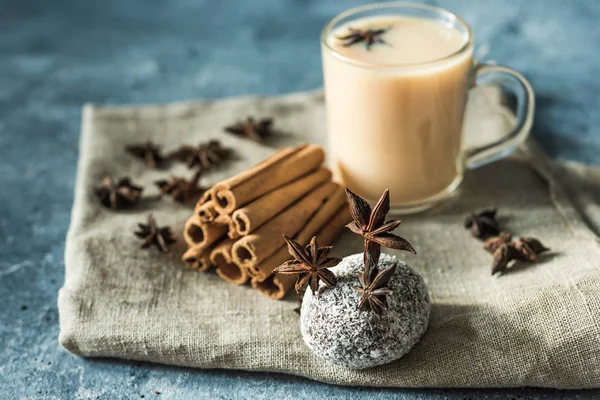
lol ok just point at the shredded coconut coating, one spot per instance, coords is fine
(335, 329)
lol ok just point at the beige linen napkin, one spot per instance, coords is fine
(537, 325)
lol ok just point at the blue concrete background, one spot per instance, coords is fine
(56, 55)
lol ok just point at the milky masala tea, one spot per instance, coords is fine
(396, 82)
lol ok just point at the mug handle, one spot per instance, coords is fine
(511, 80)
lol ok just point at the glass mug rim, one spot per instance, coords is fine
(328, 28)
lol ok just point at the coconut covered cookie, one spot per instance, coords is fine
(364, 310)
(334, 327)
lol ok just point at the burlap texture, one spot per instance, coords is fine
(537, 325)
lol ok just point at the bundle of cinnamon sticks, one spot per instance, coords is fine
(238, 225)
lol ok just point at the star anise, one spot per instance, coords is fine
(372, 227)
(152, 234)
(310, 264)
(374, 292)
(506, 250)
(502, 257)
(492, 244)
(483, 224)
(368, 36)
(148, 152)
(205, 155)
(529, 248)
(181, 189)
(250, 128)
(118, 195)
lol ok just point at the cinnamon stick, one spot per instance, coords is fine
(313, 227)
(251, 250)
(206, 211)
(226, 268)
(196, 257)
(227, 221)
(201, 234)
(281, 168)
(273, 158)
(250, 217)
(276, 286)
(246, 175)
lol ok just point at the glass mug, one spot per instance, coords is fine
(399, 126)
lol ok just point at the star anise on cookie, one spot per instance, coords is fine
(121, 194)
(205, 155)
(483, 224)
(181, 189)
(505, 250)
(371, 225)
(374, 292)
(152, 234)
(148, 152)
(310, 263)
(368, 36)
(250, 128)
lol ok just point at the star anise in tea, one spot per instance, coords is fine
(374, 291)
(181, 189)
(483, 224)
(310, 263)
(250, 128)
(375, 231)
(148, 152)
(368, 36)
(505, 250)
(152, 234)
(205, 155)
(118, 195)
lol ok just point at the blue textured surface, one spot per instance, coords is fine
(56, 55)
